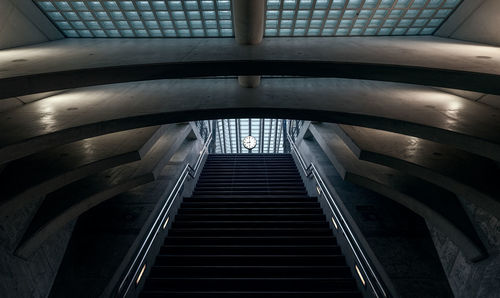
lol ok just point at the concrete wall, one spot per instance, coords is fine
(31, 278)
(470, 280)
(398, 237)
(22, 23)
(106, 236)
(474, 20)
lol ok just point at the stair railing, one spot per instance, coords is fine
(137, 267)
(363, 266)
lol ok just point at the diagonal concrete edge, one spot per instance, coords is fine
(69, 202)
(469, 176)
(35, 176)
(435, 205)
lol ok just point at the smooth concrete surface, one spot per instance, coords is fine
(474, 20)
(397, 236)
(36, 175)
(14, 102)
(472, 280)
(107, 237)
(434, 204)
(469, 176)
(408, 109)
(67, 203)
(22, 23)
(248, 20)
(421, 60)
(487, 99)
(246, 81)
(34, 277)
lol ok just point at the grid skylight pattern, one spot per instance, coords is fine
(201, 18)
(229, 134)
(356, 17)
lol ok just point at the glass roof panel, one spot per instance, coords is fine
(356, 17)
(152, 18)
(213, 18)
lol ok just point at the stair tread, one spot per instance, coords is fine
(250, 229)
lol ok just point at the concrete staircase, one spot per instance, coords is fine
(250, 230)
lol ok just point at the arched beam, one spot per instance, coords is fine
(419, 60)
(413, 110)
(435, 205)
(469, 176)
(69, 202)
(36, 175)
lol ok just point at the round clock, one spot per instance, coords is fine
(249, 142)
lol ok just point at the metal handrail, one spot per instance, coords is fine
(137, 265)
(360, 257)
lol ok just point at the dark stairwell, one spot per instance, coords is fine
(250, 230)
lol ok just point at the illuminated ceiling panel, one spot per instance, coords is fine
(202, 18)
(213, 18)
(356, 17)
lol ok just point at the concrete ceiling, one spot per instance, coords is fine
(380, 84)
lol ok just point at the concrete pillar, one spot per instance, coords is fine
(249, 30)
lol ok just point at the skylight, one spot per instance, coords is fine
(213, 18)
(229, 134)
(356, 17)
(204, 18)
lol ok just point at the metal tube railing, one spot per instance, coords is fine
(360, 257)
(136, 267)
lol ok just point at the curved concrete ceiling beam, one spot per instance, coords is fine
(408, 109)
(421, 60)
(69, 202)
(469, 176)
(34, 176)
(435, 205)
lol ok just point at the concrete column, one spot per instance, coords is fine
(249, 30)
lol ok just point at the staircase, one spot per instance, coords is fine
(250, 230)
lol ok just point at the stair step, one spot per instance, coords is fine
(251, 188)
(249, 224)
(250, 205)
(198, 193)
(252, 294)
(250, 184)
(249, 271)
(235, 210)
(256, 240)
(250, 249)
(250, 232)
(249, 217)
(251, 284)
(259, 197)
(250, 199)
(254, 260)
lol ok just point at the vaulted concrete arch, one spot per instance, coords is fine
(419, 60)
(34, 176)
(67, 203)
(469, 176)
(434, 204)
(408, 109)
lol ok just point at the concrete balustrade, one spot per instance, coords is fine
(67, 203)
(434, 204)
